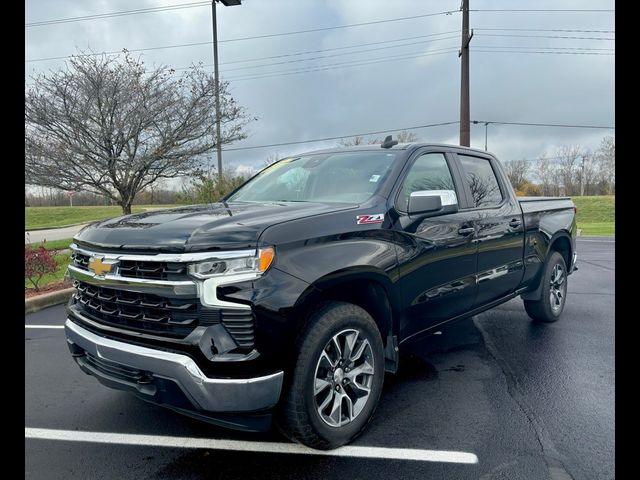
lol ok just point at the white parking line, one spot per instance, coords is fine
(44, 326)
(596, 241)
(244, 446)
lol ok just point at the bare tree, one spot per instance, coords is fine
(402, 137)
(568, 164)
(350, 142)
(112, 126)
(517, 171)
(605, 156)
(547, 175)
(406, 137)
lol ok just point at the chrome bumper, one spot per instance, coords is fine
(204, 393)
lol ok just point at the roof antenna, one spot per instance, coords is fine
(389, 142)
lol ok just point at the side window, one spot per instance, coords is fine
(429, 172)
(482, 181)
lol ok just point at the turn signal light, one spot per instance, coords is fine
(265, 257)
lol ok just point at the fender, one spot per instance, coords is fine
(536, 293)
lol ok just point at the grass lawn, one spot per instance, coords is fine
(63, 261)
(596, 214)
(52, 217)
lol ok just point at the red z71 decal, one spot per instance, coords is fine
(364, 219)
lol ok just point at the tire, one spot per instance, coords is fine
(311, 416)
(554, 292)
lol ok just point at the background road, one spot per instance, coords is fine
(531, 401)
(37, 236)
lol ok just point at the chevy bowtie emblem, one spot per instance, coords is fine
(99, 267)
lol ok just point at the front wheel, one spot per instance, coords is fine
(337, 379)
(554, 291)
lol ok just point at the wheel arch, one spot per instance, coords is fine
(560, 242)
(369, 288)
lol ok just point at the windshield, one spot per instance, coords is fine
(333, 177)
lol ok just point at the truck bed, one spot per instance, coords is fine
(539, 204)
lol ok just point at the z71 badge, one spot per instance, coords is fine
(375, 218)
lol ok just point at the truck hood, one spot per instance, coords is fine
(214, 226)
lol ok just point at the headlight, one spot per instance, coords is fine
(250, 264)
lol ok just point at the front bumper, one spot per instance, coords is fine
(168, 378)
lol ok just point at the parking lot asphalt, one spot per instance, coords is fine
(529, 401)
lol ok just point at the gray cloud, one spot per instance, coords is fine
(504, 86)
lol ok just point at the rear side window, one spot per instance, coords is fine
(429, 172)
(482, 181)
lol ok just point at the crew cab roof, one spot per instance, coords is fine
(399, 146)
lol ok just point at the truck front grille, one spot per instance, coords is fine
(152, 270)
(138, 311)
(148, 270)
(80, 260)
(129, 374)
(166, 317)
(120, 299)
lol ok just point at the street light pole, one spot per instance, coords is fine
(216, 78)
(216, 86)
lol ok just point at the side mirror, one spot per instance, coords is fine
(436, 202)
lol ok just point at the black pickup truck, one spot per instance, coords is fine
(291, 297)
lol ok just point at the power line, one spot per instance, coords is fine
(415, 127)
(544, 36)
(326, 56)
(562, 125)
(544, 48)
(407, 56)
(484, 49)
(339, 48)
(346, 64)
(325, 139)
(545, 30)
(475, 49)
(115, 52)
(539, 10)
(122, 13)
(252, 37)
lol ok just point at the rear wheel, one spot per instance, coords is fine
(554, 291)
(337, 379)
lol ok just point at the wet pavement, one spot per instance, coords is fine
(530, 401)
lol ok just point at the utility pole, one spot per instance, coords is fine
(216, 86)
(465, 127)
(584, 159)
(486, 125)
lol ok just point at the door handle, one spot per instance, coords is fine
(515, 223)
(466, 231)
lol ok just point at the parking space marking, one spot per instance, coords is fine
(596, 241)
(44, 326)
(247, 446)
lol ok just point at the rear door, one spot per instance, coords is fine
(436, 254)
(499, 229)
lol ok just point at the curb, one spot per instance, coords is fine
(35, 304)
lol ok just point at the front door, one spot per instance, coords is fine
(436, 254)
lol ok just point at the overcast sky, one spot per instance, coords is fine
(408, 85)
